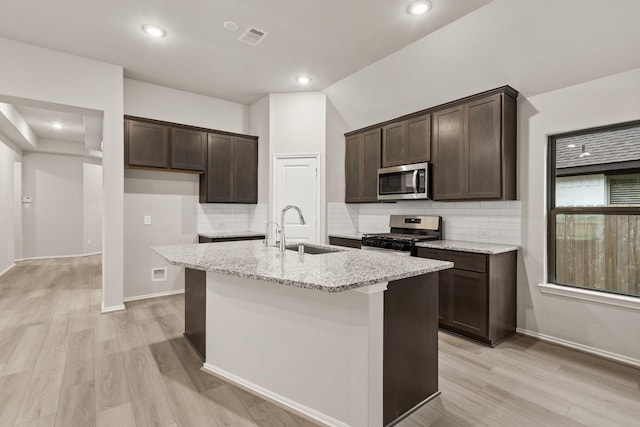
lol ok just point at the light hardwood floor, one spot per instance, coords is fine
(62, 363)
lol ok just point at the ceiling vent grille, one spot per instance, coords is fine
(253, 36)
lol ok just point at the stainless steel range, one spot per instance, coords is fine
(405, 232)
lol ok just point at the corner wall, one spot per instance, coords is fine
(298, 125)
(65, 212)
(46, 75)
(171, 199)
(10, 214)
(609, 330)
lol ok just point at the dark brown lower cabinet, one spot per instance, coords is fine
(410, 354)
(476, 298)
(195, 309)
(349, 243)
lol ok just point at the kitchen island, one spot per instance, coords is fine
(346, 337)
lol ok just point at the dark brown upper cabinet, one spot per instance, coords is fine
(407, 141)
(160, 145)
(188, 149)
(232, 170)
(362, 160)
(146, 145)
(474, 148)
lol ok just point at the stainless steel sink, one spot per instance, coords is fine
(313, 249)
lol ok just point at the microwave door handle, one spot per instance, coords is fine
(415, 181)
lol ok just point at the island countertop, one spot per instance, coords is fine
(338, 271)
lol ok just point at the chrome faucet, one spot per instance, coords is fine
(302, 221)
(266, 233)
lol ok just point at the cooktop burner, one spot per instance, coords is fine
(405, 232)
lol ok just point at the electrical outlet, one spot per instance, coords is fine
(147, 220)
(88, 241)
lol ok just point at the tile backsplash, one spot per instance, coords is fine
(231, 217)
(495, 222)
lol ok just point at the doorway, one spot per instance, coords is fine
(296, 182)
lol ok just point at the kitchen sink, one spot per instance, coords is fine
(313, 249)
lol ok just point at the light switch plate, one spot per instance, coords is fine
(147, 220)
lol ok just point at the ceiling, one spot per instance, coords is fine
(30, 125)
(325, 39)
(41, 122)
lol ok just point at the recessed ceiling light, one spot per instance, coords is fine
(57, 125)
(419, 7)
(154, 30)
(231, 26)
(303, 80)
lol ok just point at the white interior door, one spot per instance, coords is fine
(296, 183)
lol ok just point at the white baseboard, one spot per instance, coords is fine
(6, 270)
(156, 295)
(275, 398)
(581, 347)
(58, 256)
(113, 308)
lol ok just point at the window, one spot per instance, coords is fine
(594, 209)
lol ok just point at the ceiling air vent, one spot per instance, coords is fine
(253, 36)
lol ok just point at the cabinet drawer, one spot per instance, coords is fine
(462, 260)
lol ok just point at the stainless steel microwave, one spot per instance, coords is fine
(407, 182)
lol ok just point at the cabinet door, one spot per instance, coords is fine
(370, 165)
(483, 145)
(352, 170)
(394, 144)
(448, 154)
(444, 300)
(147, 144)
(419, 139)
(245, 170)
(188, 149)
(220, 168)
(468, 293)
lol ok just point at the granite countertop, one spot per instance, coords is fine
(230, 234)
(463, 246)
(338, 271)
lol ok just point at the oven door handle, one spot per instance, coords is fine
(415, 181)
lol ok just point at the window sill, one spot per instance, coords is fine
(592, 296)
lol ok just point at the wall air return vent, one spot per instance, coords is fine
(253, 36)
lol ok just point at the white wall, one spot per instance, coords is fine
(609, 100)
(533, 46)
(92, 206)
(46, 75)
(162, 103)
(172, 198)
(297, 125)
(65, 212)
(10, 157)
(259, 126)
(492, 222)
(17, 205)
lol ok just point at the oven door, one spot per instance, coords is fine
(404, 182)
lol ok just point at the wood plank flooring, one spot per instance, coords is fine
(62, 363)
